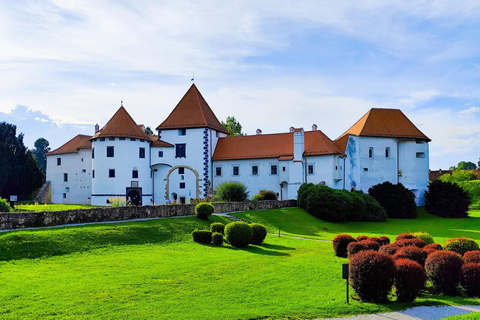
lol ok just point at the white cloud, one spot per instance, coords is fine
(470, 110)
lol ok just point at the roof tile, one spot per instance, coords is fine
(73, 146)
(121, 125)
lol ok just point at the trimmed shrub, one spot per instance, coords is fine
(427, 238)
(302, 194)
(411, 242)
(4, 205)
(403, 236)
(373, 210)
(443, 270)
(377, 240)
(257, 197)
(355, 247)
(217, 227)
(340, 244)
(328, 204)
(470, 279)
(389, 249)
(203, 210)
(362, 237)
(238, 234)
(384, 240)
(268, 195)
(398, 201)
(372, 275)
(429, 248)
(411, 253)
(259, 233)
(448, 200)
(231, 191)
(472, 256)
(202, 236)
(409, 279)
(460, 245)
(217, 238)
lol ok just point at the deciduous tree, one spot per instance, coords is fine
(233, 127)
(41, 148)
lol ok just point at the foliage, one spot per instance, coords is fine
(217, 227)
(203, 210)
(202, 236)
(19, 172)
(217, 238)
(303, 193)
(340, 244)
(117, 202)
(429, 248)
(4, 205)
(233, 127)
(470, 278)
(427, 238)
(460, 245)
(473, 189)
(268, 195)
(362, 237)
(446, 200)
(51, 207)
(41, 148)
(384, 240)
(443, 270)
(404, 236)
(398, 201)
(389, 249)
(409, 279)
(411, 242)
(411, 253)
(328, 204)
(472, 256)
(364, 245)
(466, 165)
(366, 208)
(259, 232)
(257, 197)
(458, 176)
(239, 234)
(231, 191)
(372, 275)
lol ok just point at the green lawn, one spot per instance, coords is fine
(51, 207)
(152, 269)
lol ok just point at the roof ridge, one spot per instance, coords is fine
(199, 103)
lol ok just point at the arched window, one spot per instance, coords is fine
(370, 153)
(387, 152)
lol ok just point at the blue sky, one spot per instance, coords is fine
(66, 65)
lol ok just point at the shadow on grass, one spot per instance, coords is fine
(276, 247)
(260, 250)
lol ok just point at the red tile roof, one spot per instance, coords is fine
(192, 112)
(279, 145)
(121, 125)
(159, 143)
(74, 145)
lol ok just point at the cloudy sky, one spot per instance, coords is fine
(66, 65)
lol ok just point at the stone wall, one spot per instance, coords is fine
(46, 219)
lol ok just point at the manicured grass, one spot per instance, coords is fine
(52, 207)
(296, 221)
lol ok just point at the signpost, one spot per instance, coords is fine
(13, 199)
(345, 275)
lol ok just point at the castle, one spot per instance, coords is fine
(192, 154)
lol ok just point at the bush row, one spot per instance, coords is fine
(239, 234)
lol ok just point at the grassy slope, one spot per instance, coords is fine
(51, 207)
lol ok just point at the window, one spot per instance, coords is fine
(181, 170)
(93, 153)
(236, 171)
(420, 154)
(102, 139)
(254, 170)
(310, 169)
(160, 154)
(387, 152)
(218, 171)
(182, 132)
(111, 173)
(273, 169)
(284, 169)
(93, 174)
(64, 196)
(134, 174)
(111, 139)
(65, 177)
(182, 185)
(141, 152)
(121, 138)
(181, 150)
(59, 161)
(370, 153)
(82, 159)
(365, 169)
(141, 140)
(110, 152)
(84, 170)
(133, 139)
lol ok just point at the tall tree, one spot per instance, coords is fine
(233, 127)
(466, 165)
(19, 172)
(41, 148)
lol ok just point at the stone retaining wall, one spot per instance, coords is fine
(46, 219)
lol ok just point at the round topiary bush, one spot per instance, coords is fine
(384, 240)
(447, 200)
(472, 256)
(404, 236)
(443, 270)
(303, 193)
(328, 204)
(231, 191)
(362, 237)
(409, 279)
(340, 244)
(411, 242)
(389, 249)
(411, 253)
(4, 206)
(203, 210)
(217, 238)
(470, 279)
(238, 234)
(355, 247)
(461, 245)
(372, 275)
(429, 248)
(365, 208)
(259, 233)
(398, 201)
(427, 238)
(217, 227)
(202, 236)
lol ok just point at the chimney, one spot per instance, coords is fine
(298, 144)
(258, 132)
(97, 128)
(314, 127)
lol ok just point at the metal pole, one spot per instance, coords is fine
(347, 291)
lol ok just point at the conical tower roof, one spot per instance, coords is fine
(121, 125)
(192, 112)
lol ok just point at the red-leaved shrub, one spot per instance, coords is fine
(362, 237)
(340, 244)
(472, 256)
(443, 270)
(411, 242)
(389, 249)
(377, 240)
(384, 240)
(354, 247)
(411, 253)
(409, 279)
(470, 279)
(403, 236)
(371, 275)
(429, 248)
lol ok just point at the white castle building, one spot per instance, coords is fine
(192, 154)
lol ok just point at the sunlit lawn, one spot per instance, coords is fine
(51, 207)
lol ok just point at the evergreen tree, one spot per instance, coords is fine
(41, 148)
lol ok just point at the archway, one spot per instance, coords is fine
(197, 181)
(134, 196)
